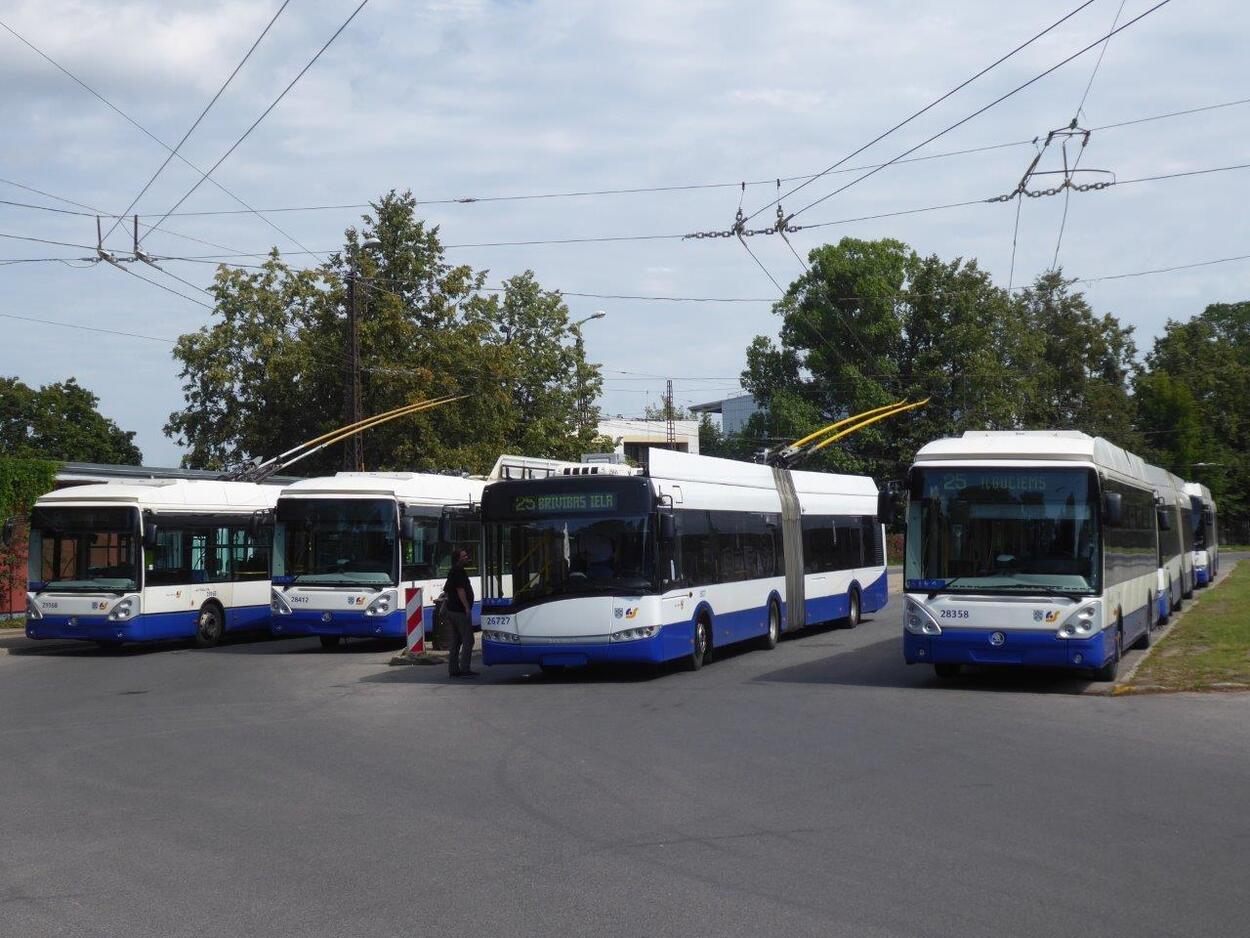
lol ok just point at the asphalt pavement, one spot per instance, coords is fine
(822, 788)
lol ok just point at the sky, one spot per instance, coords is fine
(472, 98)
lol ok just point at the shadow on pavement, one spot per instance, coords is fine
(881, 665)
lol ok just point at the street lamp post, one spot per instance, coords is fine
(354, 451)
(583, 402)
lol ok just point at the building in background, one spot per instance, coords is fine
(634, 437)
(734, 412)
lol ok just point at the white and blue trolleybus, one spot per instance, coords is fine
(348, 547)
(1028, 548)
(138, 561)
(1204, 536)
(1176, 573)
(604, 563)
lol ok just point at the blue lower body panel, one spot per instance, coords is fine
(1039, 649)
(876, 594)
(674, 641)
(146, 627)
(340, 623)
(1202, 576)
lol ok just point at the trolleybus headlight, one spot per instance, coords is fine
(493, 636)
(123, 610)
(277, 605)
(32, 611)
(1081, 624)
(380, 606)
(916, 619)
(634, 634)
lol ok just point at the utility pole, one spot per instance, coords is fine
(353, 450)
(671, 429)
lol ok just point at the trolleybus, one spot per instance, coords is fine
(348, 547)
(1176, 574)
(140, 561)
(1028, 548)
(602, 563)
(1206, 542)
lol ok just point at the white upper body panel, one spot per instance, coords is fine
(710, 482)
(1028, 447)
(170, 495)
(413, 488)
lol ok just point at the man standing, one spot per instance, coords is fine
(458, 609)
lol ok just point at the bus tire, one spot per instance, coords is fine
(329, 642)
(770, 638)
(852, 609)
(1147, 637)
(947, 670)
(701, 643)
(210, 624)
(1111, 670)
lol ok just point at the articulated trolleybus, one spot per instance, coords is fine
(347, 547)
(143, 561)
(1035, 548)
(603, 563)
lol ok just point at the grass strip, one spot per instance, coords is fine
(1209, 649)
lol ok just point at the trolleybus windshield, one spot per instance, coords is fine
(1010, 530)
(85, 549)
(552, 555)
(336, 542)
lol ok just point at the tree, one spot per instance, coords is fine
(872, 323)
(1081, 376)
(272, 371)
(1209, 358)
(61, 422)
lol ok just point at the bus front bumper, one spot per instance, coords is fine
(659, 648)
(340, 623)
(145, 627)
(1040, 648)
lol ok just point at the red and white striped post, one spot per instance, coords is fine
(414, 614)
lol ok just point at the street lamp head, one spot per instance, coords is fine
(597, 314)
(371, 245)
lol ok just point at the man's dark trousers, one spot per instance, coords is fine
(461, 626)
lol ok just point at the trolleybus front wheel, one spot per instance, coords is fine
(1111, 670)
(210, 625)
(702, 641)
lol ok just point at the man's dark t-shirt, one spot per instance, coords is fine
(457, 578)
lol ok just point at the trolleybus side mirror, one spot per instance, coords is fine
(1113, 508)
(149, 533)
(668, 528)
(1165, 519)
(408, 528)
(444, 530)
(7, 531)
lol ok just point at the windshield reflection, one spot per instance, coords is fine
(568, 556)
(972, 529)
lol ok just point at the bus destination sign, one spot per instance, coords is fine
(567, 502)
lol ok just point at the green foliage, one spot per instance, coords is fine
(60, 421)
(271, 371)
(1205, 360)
(21, 482)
